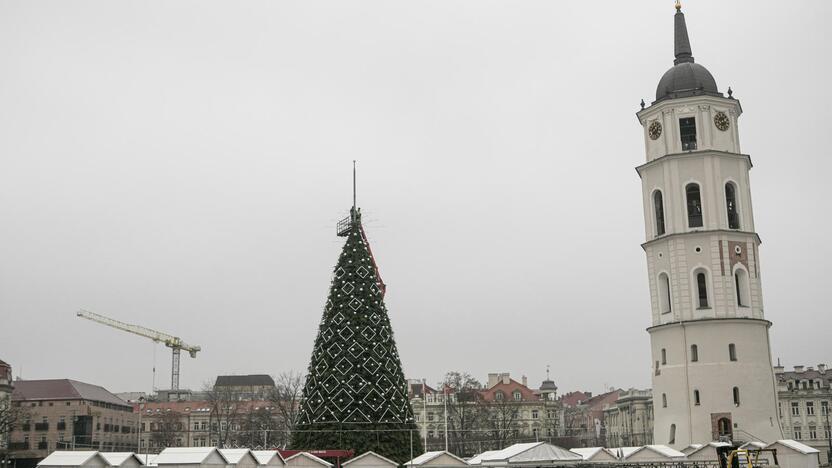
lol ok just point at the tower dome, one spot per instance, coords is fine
(685, 78)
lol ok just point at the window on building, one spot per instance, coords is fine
(795, 408)
(498, 395)
(827, 433)
(518, 396)
(796, 433)
(664, 356)
(658, 371)
(687, 132)
(535, 414)
(196, 425)
(732, 352)
(430, 434)
(672, 438)
(824, 408)
(664, 293)
(658, 208)
(813, 433)
(664, 400)
(702, 290)
(736, 393)
(694, 204)
(696, 397)
(694, 353)
(741, 285)
(430, 416)
(810, 408)
(731, 206)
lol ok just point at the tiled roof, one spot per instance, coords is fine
(254, 380)
(63, 389)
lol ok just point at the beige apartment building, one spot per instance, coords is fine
(805, 395)
(629, 421)
(72, 415)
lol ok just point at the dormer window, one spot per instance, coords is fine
(687, 132)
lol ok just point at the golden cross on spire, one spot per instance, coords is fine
(678, 5)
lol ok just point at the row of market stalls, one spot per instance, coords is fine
(790, 454)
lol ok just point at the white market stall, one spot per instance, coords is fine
(437, 459)
(268, 458)
(595, 454)
(66, 459)
(369, 460)
(191, 457)
(122, 459)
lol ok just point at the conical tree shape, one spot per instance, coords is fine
(355, 395)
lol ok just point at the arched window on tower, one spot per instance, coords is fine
(664, 293)
(731, 206)
(732, 352)
(736, 392)
(664, 400)
(664, 356)
(672, 438)
(702, 290)
(741, 285)
(658, 208)
(694, 204)
(696, 397)
(694, 353)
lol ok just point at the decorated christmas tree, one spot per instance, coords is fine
(355, 395)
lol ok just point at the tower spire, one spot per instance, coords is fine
(681, 41)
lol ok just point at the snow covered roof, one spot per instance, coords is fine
(68, 458)
(477, 459)
(694, 448)
(428, 456)
(117, 458)
(587, 453)
(147, 459)
(264, 457)
(234, 455)
(796, 446)
(753, 443)
(662, 450)
(370, 454)
(531, 452)
(311, 457)
(186, 455)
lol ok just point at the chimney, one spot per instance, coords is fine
(778, 369)
(493, 379)
(810, 368)
(525, 381)
(822, 368)
(798, 369)
(506, 378)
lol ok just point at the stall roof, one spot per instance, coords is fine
(532, 452)
(369, 454)
(795, 445)
(311, 457)
(263, 457)
(186, 455)
(477, 459)
(588, 452)
(428, 456)
(69, 458)
(662, 450)
(235, 455)
(117, 458)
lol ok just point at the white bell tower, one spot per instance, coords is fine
(711, 358)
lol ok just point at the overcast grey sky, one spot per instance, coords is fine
(182, 164)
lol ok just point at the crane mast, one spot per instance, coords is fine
(173, 342)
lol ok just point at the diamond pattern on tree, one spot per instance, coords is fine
(344, 365)
(357, 383)
(373, 399)
(355, 304)
(342, 400)
(380, 350)
(368, 333)
(375, 318)
(346, 333)
(362, 272)
(339, 272)
(389, 416)
(384, 334)
(390, 366)
(334, 350)
(331, 384)
(357, 416)
(321, 367)
(384, 384)
(338, 318)
(326, 415)
(316, 401)
(329, 305)
(327, 334)
(371, 365)
(347, 288)
(356, 350)
(375, 289)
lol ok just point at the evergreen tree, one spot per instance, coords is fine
(355, 395)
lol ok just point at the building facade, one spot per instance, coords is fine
(583, 418)
(246, 387)
(805, 395)
(711, 357)
(629, 421)
(502, 412)
(66, 414)
(6, 416)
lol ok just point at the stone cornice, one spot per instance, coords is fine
(703, 231)
(692, 154)
(682, 323)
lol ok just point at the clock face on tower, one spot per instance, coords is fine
(654, 130)
(722, 121)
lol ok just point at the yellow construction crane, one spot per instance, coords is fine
(172, 342)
